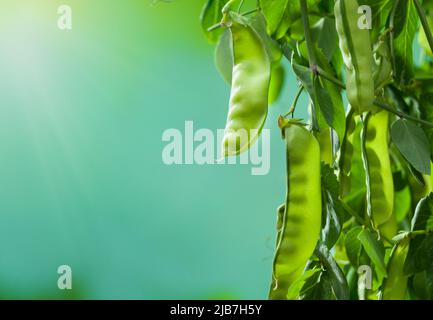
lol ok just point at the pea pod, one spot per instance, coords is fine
(299, 225)
(355, 46)
(377, 165)
(396, 283)
(250, 86)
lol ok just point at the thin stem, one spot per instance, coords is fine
(350, 211)
(240, 6)
(295, 102)
(228, 6)
(330, 78)
(221, 24)
(402, 114)
(250, 11)
(424, 23)
(308, 40)
(377, 103)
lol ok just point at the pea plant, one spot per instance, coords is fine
(357, 219)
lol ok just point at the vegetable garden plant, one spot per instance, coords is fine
(357, 220)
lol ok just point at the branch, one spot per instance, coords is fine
(379, 104)
(308, 41)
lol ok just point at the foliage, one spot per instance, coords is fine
(376, 187)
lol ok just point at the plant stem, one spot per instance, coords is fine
(402, 114)
(379, 104)
(221, 24)
(295, 102)
(307, 33)
(228, 6)
(240, 5)
(424, 23)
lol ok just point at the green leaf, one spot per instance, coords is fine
(272, 47)
(329, 99)
(420, 255)
(426, 108)
(338, 280)
(277, 82)
(412, 142)
(332, 210)
(375, 251)
(224, 56)
(423, 217)
(273, 11)
(296, 287)
(353, 246)
(211, 15)
(325, 33)
(319, 287)
(423, 284)
(402, 203)
(406, 23)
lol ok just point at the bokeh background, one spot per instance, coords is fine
(82, 180)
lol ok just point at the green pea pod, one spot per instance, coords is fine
(357, 54)
(249, 94)
(300, 223)
(396, 283)
(377, 165)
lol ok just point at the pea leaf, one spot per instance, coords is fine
(296, 287)
(211, 15)
(319, 287)
(423, 217)
(329, 99)
(332, 212)
(375, 251)
(413, 144)
(325, 33)
(338, 280)
(426, 108)
(274, 12)
(420, 255)
(224, 56)
(423, 284)
(353, 245)
(406, 23)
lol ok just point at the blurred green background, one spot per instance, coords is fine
(82, 181)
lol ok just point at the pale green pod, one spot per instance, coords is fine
(355, 46)
(249, 94)
(299, 226)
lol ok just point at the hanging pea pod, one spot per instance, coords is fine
(250, 86)
(300, 223)
(357, 54)
(396, 283)
(377, 166)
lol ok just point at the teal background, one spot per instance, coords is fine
(82, 181)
